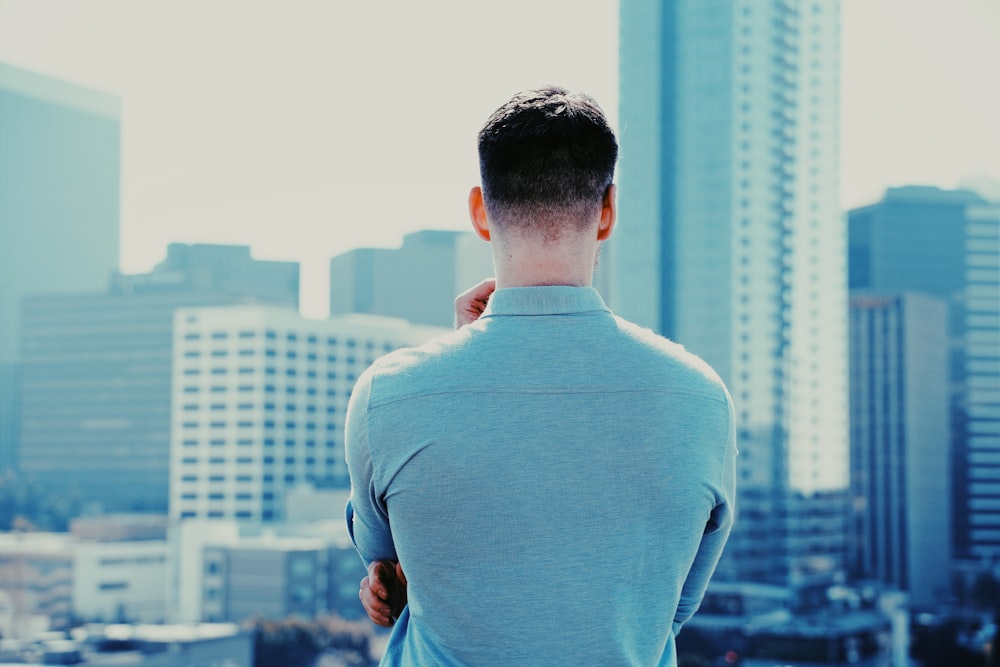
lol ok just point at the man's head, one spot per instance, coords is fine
(547, 160)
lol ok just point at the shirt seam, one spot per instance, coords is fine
(542, 390)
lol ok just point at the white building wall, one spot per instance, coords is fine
(120, 581)
(259, 399)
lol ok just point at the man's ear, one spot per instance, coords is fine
(609, 213)
(477, 213)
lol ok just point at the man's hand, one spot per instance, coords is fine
(383, 592)
(469, 305)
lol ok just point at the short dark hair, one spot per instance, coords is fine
(546, 158)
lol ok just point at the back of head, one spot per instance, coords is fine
(546, 159)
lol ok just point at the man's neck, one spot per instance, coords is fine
(526, 264)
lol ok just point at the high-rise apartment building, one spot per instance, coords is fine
(947, 243)
(59, 206)
(900, 520)
(731, 242)
(96, 372)
(417, 282)
(259, 399)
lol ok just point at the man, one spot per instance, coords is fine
(556, 483)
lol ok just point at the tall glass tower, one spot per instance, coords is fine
(731, 241)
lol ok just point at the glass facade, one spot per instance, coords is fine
(731, 241)
(947, 243)
(899, 527)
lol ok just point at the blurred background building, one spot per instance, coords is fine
(96, 372)
(900, 515)
(417, 281)
(260, 395)
(734, 247)
(59, 205)
(946, 243)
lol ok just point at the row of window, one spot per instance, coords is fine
(244, 460)
(267, 407)
(310, 339)
(266, 479)
(266, 515)
(247, 442)
(271, 353)
(289, 425)
(270, 389)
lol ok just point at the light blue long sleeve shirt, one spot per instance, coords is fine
(557, 483)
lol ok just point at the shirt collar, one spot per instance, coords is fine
(545, 300)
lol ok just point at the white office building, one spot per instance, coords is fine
(259, 399)
(731, 242)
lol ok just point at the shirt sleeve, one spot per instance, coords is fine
(367, 515)
(716, 534)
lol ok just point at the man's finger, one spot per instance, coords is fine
(379, 612)
(378, 573)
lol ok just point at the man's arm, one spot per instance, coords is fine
(367, 515)
(716, 534)
(383, 590)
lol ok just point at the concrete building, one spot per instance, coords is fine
(732, 243)
(49, 580)
(10, 402)
(947, 244)
(59, 191)
(36, 583)
(229, 571)
(265, 578)
(59, 206)
(120, 581)
(259, 398)
(96, 372)
(417, 281)
(900, 522)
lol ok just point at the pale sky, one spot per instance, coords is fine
(305, 128)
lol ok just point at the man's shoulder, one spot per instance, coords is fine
(660, 354)
(408, 365)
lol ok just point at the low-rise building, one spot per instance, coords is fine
(51, 580)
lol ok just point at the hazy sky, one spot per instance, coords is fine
(306, 128)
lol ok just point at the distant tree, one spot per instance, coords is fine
(26, 506)
(294, 642)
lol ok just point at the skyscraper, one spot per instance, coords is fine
(947, 243)
(731, 242)
(59, 191)
(96, 371)
(59, 206)
(901, 507)
(417, 282)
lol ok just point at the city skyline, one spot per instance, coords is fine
(299, 173)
